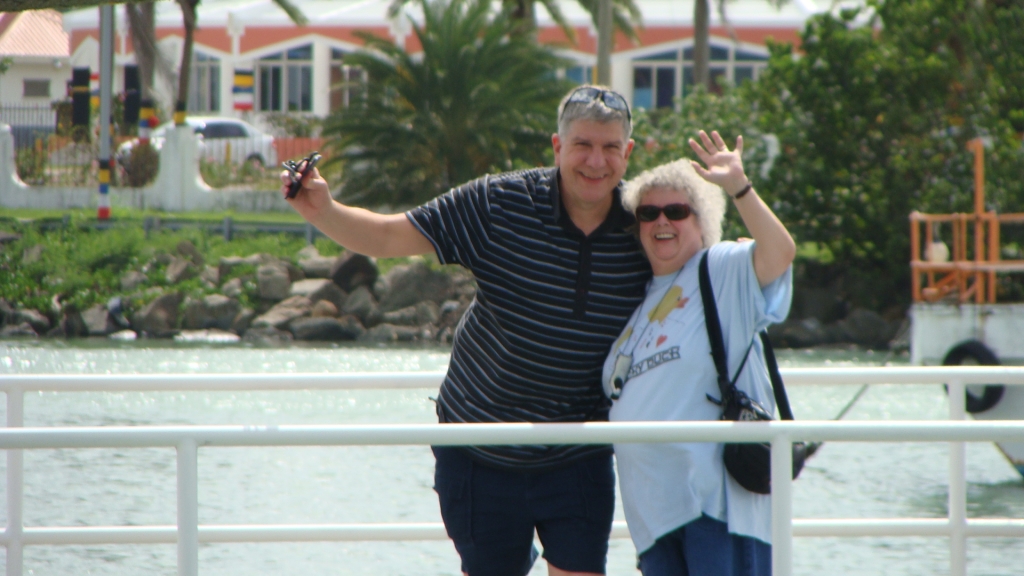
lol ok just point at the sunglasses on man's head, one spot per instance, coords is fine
(613, 100)
(650, 213)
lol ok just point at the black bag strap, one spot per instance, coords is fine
(714, 327)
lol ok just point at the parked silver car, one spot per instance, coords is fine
(223, 139)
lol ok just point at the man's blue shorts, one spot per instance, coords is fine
(704, 547)
(491, 514)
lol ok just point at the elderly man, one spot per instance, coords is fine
(558, 274)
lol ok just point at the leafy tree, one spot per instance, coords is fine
(481, 98)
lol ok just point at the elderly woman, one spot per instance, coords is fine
(686, 515)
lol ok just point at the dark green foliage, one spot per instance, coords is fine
(480, 99)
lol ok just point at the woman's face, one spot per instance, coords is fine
(668, 243)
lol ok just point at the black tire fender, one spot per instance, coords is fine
(982, 356)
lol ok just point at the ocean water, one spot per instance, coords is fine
(393, 484)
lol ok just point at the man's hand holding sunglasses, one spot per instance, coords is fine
(313, 197)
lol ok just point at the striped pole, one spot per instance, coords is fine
(106, 95)
(147, 120)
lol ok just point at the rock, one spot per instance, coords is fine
(821, 303)
(210, 336)
(267, 336)
(283, 313)
(180, 270)
(407, 285)
(901, 341)
(212, 311)
(124, 335)
(19, 330)
(70, 325)
(211, 275)
(32, 254)
(228, 263)
(7, 237)
(273, 281)
(243, 320)
(307, 287)
(347, 328)
(418, 315)
(317, 267)
(331, 293)
(351, 270)
(324, 309)
(159, 318)
(390, 333)
(361, 304)
(307, 251)
(866, 328)
(5, 311)
(132, 280)
(232, 288)
(189, 251)
(115, 307)
(98, 321)
(799, 334)
(39, 322)
(450, 313)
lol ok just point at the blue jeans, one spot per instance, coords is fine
(704, 547)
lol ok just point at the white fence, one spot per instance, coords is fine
(187, 440)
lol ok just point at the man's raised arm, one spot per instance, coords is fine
(356, 229)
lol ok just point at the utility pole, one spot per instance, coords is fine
(106, 95)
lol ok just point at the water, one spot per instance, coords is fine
(393, 484)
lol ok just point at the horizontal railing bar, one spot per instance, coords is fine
(383, 380)
(237, 533)
(498, 434)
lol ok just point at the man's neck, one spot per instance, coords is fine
(585, 215)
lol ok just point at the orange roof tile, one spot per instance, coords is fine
(33, 33)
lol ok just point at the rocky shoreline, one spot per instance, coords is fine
(343, 298)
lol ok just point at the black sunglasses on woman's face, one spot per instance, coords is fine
(650, 213)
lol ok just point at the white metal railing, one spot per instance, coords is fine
(187, 439)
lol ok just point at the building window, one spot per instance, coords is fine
(580, 74)
(204, 84)
(284, 81)
(36, 88)
(347, 82)
(659, 78)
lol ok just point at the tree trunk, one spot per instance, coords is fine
(142, 29)
(701, 43)
(188, 16)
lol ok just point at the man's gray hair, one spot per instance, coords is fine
(596, 110)
(706, 199)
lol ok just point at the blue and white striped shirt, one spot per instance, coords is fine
(550, 302)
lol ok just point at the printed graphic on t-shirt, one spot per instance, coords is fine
(656, 334)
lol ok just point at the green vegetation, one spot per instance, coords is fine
(872, 122)
(81, 266)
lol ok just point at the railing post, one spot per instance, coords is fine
(15, 486)
(188, 509)
(957, 485)
(782, 506)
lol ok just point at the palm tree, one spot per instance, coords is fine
(702, 37)
(481, 98)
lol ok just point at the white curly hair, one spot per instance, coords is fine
(706, 199)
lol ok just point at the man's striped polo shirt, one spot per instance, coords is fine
(550, 301)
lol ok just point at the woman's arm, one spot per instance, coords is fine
(775, 248)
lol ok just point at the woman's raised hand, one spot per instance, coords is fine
(724, 166)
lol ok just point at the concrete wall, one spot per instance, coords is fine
(178, 187)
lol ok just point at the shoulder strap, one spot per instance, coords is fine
(714, 328)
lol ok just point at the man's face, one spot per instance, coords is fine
(592, 158)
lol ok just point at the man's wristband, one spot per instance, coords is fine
(743, 191)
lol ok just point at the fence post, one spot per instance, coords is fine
(957, 485)
(15, 487)
(188, 508)
(782, 506)
(227, 228)
(310, 233)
